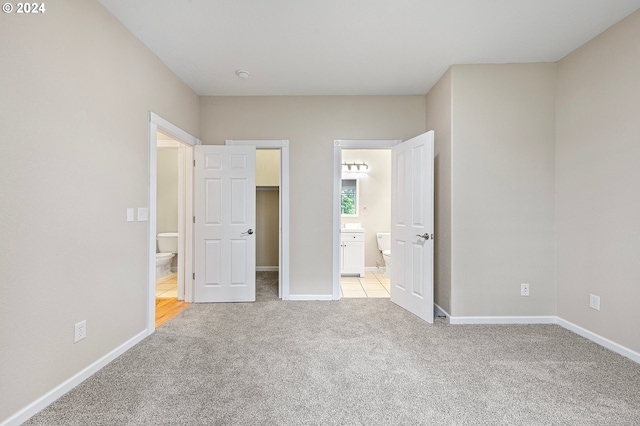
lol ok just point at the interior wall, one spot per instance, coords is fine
(167, 190)
(374, 192)
(268, 167)
(267, 227)
(598, 173)
(267, 208)
(503, 199)
(311, 124)
(438, 108)
(74, 118)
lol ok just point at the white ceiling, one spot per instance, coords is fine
(354, 47)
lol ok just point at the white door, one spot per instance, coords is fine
(225, 220)
(412, 225)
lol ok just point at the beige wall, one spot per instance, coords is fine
(267, 208)
(167, 198)
(598, 180)
(544, 155)
(74, 118)
(311, 123)
(438, 102)
(503, 132)
(267, 227)
(374, 190)
(267, 167)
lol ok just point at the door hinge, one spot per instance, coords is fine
(194, 275)
(194, 163)
(194, 219)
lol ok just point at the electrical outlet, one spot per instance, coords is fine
(594, 302)
(524, 289)
(80, 331)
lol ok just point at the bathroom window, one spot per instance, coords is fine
(349, 197)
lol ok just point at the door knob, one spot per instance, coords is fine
(425, 236)
(250, 231)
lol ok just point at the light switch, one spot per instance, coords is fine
(143, 214)
(129, 214)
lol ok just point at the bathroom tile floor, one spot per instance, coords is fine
(167, 286)
(373, 284)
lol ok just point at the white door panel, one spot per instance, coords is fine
(412, 225)
(225, 194)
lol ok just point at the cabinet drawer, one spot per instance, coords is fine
(352, 236)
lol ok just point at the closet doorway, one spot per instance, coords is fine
(268, 153)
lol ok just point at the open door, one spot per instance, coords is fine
(412, 225)
(225, 219)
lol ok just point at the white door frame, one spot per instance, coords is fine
(338, 146)
(185, 238)
(283, 263)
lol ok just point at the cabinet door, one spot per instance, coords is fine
(353, 257)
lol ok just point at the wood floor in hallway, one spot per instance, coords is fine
(167, 308)
(167, 304)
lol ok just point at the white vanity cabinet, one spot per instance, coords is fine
(352, 251)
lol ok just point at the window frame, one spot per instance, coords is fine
(356, 197)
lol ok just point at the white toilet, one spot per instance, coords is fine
(167, 249)
(384, 245)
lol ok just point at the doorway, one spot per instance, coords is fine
(339, 145)
(170, 184)
(411, 220)
(159, 126)
(281, 150)
(267, 224)
(365, 223)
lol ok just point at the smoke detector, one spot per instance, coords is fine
(242, 74)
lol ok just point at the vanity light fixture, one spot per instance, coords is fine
(358, 166)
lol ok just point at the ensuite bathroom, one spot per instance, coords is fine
(167, 218)
(365, 243)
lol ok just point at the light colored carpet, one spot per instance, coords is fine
(352, 362)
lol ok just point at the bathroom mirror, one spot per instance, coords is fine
(349, 194)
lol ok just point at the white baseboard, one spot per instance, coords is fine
(504, 320)
(596, 338)
(376, 269)
(297, 297)
(30, 410)
(267, 268)
(602, 341)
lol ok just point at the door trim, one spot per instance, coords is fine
(283, 263)
(338, 146)
(157, 123)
